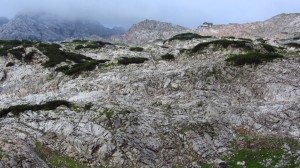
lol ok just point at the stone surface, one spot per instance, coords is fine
(156, 114)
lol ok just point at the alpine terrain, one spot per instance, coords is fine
(163, 96)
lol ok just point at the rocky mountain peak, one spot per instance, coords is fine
(151, 29)
(45, 27)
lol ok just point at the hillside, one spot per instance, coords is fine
(280, 26)
(189, 101)
(49, 28)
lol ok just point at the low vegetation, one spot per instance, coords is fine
(221, 43)
(269, 48)
(252, 58)
(55, 158)
(263, 151)
(295, 45)
(187, 36)
(131, 60)
(168, 57)
(137, 49)
(7, 46)
(91, 45)
(51, 105)
(56, 56)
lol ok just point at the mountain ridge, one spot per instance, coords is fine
(48, 28)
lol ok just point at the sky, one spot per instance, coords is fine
(188, 13)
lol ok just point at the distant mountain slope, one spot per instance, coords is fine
(3, 20)
(280, 26)
(150, 30)
(48, 28)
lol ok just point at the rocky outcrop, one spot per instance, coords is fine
(277, 27)
(148, 30)
(156, 114)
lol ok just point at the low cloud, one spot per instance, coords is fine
(189, 13)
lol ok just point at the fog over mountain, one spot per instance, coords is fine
(188, 13)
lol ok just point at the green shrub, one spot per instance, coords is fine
(269, 48)
(28, 57)
(296, 45)
(10, 64)
(221, 43)
(168, 57)
(187, 36)
(79, 47)
(80, 67)
(252, 58)
(17, 53)
(93, 45)
(131, 60)
(51, 105)
(137, 49)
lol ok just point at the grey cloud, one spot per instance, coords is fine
(190, 13)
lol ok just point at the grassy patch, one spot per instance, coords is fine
(137, 49)
(252, 58)
(55, 158)
(131, 60)
(269, 48)
(168, 57)
(51, 105)
(92, 45)
(187, 36)
(221, 43)
(258, 151)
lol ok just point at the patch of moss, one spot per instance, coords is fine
(221, 43)
(168, 57)
(131, 60)
(256, 150)
(51, 105)
(252, 58)
(137, 49)
(55, 158)
(187, 36)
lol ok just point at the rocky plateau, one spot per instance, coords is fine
(176, 102)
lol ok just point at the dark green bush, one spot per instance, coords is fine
(51, 105)
(28, 57)
(17, 53)
(221, 43)
(131, 60)
(9, 64)
(296, 45)
(187, 36)
(269, 48)
(138, 49)
(63, 69)
(93, 45)
(168, 57)
(79, 47)
(252, 58)
(80, 67)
